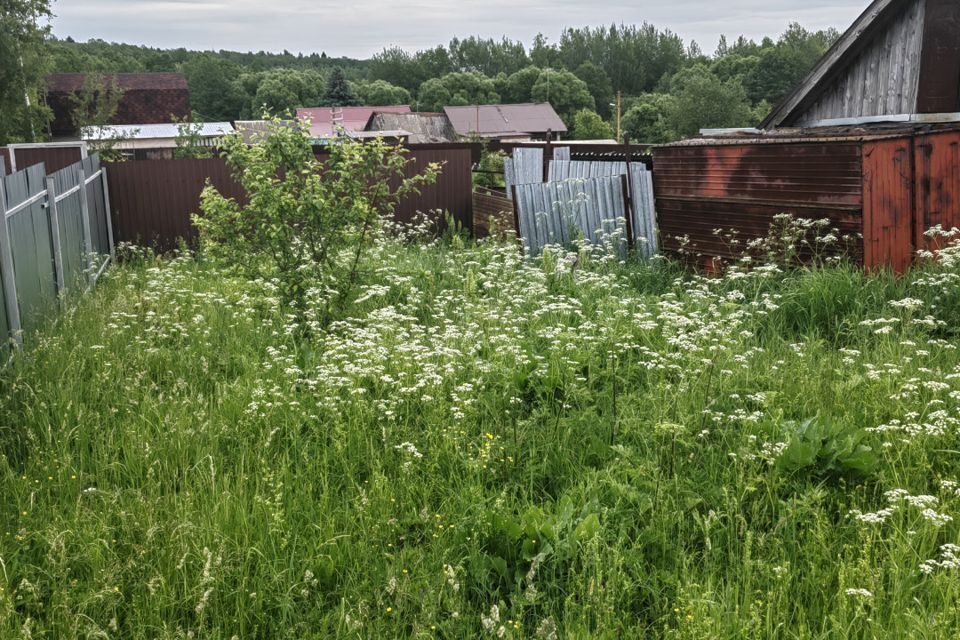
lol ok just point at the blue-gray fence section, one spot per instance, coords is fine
(525, 166)
(643, 213)
(560, 212)
(55, 237)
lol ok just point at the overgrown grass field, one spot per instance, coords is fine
(486, 446)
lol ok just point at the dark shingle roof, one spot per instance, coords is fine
(72, 82)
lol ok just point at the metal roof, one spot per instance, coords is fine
(874, 130)
(353, 118)
(419, 127)
(505, 120)
(153, 131)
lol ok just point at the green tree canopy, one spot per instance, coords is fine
(701, 100)
(23, 67)
(457, 89)
(782, 66)
(280, 91)
(338, 92)
(598, 82)
(381, 92)
(646, 121)
(564, 91)
(588, 125)
(214, 92)
(487, 56)
(519, 85)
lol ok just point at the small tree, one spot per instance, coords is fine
(306, 223)
(94, 107)
(190, 142)
(339, 93)
(588, 125)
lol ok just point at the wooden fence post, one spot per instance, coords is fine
(85, 220)
(109, 213)
(6, 266)
(55, 234)
(628, 210)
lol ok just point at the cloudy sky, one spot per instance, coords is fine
(360, 28)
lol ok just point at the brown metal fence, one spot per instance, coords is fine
(152, 200)
(53, 156)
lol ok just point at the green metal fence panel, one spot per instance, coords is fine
(31, 244)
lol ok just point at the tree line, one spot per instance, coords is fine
(670, 89)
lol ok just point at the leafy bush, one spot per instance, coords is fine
(826, 447)
(306, 223)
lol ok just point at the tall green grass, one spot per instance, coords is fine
(488, 447)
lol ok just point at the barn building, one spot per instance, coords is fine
(869, 140)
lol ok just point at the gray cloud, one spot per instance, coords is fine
(360, 28)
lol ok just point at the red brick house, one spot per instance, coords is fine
(148, 98)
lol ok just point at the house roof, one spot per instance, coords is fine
(256, 130)
(152, 131)
(354, 118)
(73, 82)
(505, 120)
(418, 127)
(837, 58)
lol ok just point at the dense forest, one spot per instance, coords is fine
(670, 89)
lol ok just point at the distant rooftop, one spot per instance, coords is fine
(418, 128)
(73, 82)
(153, 131)
(505, 120)
(352, 119)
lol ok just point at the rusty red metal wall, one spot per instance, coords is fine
(937, 194)
(55, 158)
(741, 187)
(888, 204)
(492, 206)
(152, 200)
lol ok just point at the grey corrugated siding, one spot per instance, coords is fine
(560, 212)
(31, 237)
(643, 207)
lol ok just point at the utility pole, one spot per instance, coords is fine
(619, 137)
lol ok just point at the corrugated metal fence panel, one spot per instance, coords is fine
(525, 166)
(53, 158)
(152, 200)
(700, 189)
(567, 169)
(559, 212)
(643, 210)
(5, 166)
(32, 240)
(561, 153)
(31, 245)
(70, 211)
